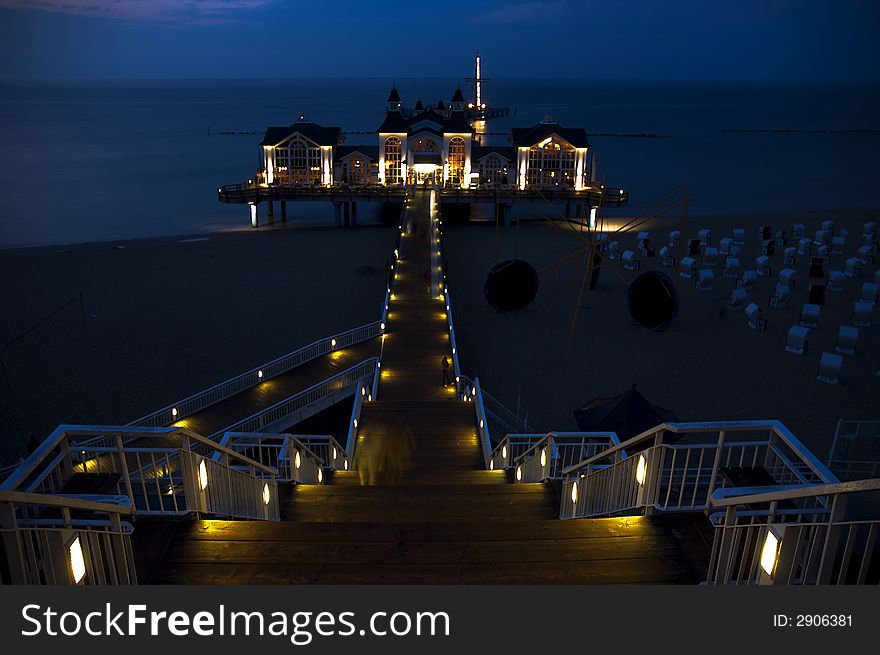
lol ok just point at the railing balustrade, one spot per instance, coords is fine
(544, 457)
(49, 540)
(657, 476)
(797, 535)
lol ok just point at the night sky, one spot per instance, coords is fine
(764, 40)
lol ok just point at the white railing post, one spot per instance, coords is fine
(716, 465)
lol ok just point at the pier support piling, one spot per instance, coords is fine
(354, 213)
(337, 213)
(283, 211)
(270, 212)
(346, 211)
(502, 213)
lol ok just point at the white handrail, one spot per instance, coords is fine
(257, 375)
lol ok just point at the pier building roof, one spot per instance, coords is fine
(319, 134)
(529, 136)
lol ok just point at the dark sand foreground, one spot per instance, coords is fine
(707, 366)
(165, 318)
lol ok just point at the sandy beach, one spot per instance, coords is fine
(709, 365)
(164, 318)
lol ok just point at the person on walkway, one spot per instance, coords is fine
(427, 277)
(444, 363)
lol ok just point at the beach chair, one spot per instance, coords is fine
(828, 226)
(869, 229)
(704, 280)
(817, 267)
(710, 256)
(765, 232)
(861, 315)
(871, 242)
(643, 243)
(822, 238)
(705, 236)
(780, 296)
(739, 236)
(816, 294)
(870, 290)
(787, 276)
(823, 253)
(735, 250)
(846, 340)
(613, 251)
(756, 321)
(798, 231)
(762, 263)
(738, 298)
(781, 238)
(877, 277)
(667, 256)
(768, 247)
(748, 279)
(829, 368)
(630, 261)
(835, 281)
(797, 339)
(725, 245)
(674, 238)
(687, 267)
(790, 256)
(866, 254)
(853, 267)
(810, 315)
(838, 243)
(731, 268)
(805, 246)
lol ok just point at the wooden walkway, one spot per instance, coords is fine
(449, 520)
(245, 404)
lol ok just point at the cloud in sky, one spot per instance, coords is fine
(519, 12)
(158, 11)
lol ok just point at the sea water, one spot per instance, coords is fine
(97, 160)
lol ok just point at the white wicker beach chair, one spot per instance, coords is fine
(810, 315)
(798, 231)
(613, 251)
(630, 261)
(704, 280)
(762, 263)
(862, 313)
(853, 267)
(705, 236)
(732, 268)
(643, 243)
(829, 368)
(674, 238)
(687, 267)
(788, 276)
(710, 256)
(747, 279)
(823, 237)
(725, 245)
(870, 291)
(838, 243)
(667, 257)
(738, 297)
(835, 281)
(866, 254)
(739, 236)
(791, 255)
(805, 247)
(828, 226)
(824, 252)
(797, 339)
(780, 296)
(756, 321)
(846, 340)
(869, 229)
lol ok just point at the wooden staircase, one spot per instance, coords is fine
(448, 521)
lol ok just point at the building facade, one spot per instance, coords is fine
(435, 145)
